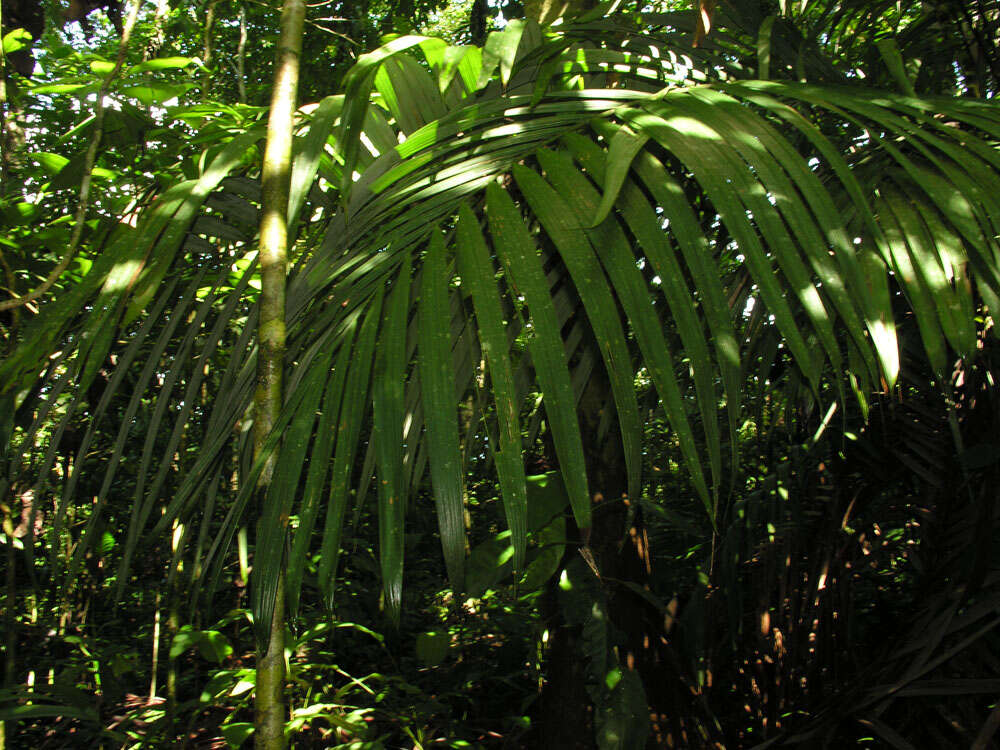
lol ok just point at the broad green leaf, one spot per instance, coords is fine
(272, 526)
(556, 215)
(51, 163)
(17, 713)
(476, 269)
(724, 178)
(320, 464)
(501, 49)
(214, 646)
(156, 94)
(437, 381)
(162, 63)
(236, 733)
(547, 504)
(489, 563)
(432, 647)
(185, 639)
(16, 40)
(523, 266)
(61, 88)
(624, 146)
(624, 717)
(352, 412)
(387, 435)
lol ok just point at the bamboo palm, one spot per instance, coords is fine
(605, 194)
(276, 180)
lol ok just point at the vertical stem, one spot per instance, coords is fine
(276, 176)
(5, 145)
(175, 587)
(206, 79)
(241, 546)
(6, 156)
(156, 40)
(156, 650)
(241, 57)
(478, 20)
(8, 495)
(173, 625)
(269, 703)
(65, 592)
(10, 621)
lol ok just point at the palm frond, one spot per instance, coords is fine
(596, 201)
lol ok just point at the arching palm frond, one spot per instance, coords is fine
(516, 220)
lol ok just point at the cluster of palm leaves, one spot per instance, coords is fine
(520, 226)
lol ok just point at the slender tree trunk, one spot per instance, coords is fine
(156, 651)
(619, 547)
(8, 147)
(157, 38)
(6, 141)
(10, 618)
(173, 625)
(269, 697)
(478, 21)
(241, 58)
(206, 54)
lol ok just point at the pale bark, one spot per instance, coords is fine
(156, 651)
(276, 176)
(241, 57)
(206, 54)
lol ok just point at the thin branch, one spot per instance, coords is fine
(88, 168)
(241, 57)
(310, 22)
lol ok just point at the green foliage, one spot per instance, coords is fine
(735, 282)
(211, 644)
(620, 703)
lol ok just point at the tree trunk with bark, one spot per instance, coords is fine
(617, 546)
(269, 696)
